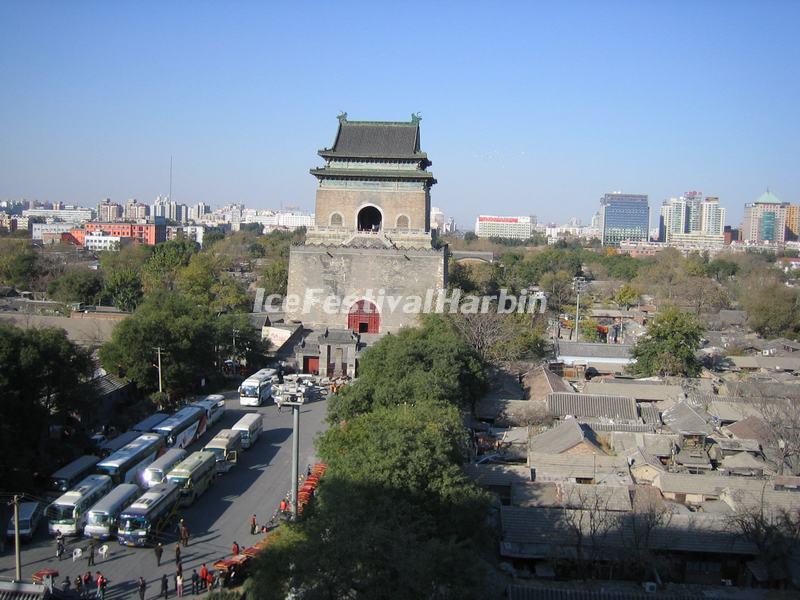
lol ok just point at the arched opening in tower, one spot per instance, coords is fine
(369, 219)
(364, 317)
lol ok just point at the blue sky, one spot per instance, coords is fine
(528, 108)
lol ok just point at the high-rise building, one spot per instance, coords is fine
(135, 211)
(109, 211)
(437, 218)
(673, 218)
(712, 217)
(198, 211)
(765, 220)
(793, 222)
(690, 215)
(624, 217)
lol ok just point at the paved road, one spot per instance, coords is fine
(222, 515)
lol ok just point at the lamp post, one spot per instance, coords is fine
(295, 404)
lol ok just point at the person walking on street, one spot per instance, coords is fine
(99, 583)
(87, 582)
(184, 535)
(59, 549)
(79, 586)
(142, 587)
(102, 586)
(177, 554)
(253, 525)
(235, 549)
(66, 584)
(204, 577)
(158, 550)
(179, 585)
(90, 553)
(164, 586)
(195, 582)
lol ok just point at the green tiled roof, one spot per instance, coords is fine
(768, 198)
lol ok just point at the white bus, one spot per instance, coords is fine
(67, 476)
(214, 405)
(127, 464)
(257, 388)
(146, 425)
(68, 513)
(101, 524)
(225, 446)
(193, 475)
(145, 521)
(157, 471)
(184, 427)
(250, 427)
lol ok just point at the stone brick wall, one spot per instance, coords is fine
(413, 204)
(350, 272)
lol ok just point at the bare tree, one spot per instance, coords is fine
(773, 530)
(586, 515)
(648, 519)
(782, 419)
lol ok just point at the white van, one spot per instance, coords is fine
(30, 515)
(250, 427)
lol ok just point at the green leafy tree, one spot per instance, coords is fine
(470, 236)
(627, 295)
(773, 310)
(203, 281)
(275, 278)
(76, 285)
(669, 346)
(123, 288)
(44, 381)
(161, 269)
(18, 265)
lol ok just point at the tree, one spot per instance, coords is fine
(501, 337)
(558, 286)
(123, 288)
(470, 236)
(275, 278)
(203, 281)
(44, 380)
(627, 295)
(773, 310)
(161, 269)
(17, 263)
(76, 285)
(781, 417)
(430, 364)
(669, 346)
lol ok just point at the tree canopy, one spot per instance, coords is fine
(669, 346)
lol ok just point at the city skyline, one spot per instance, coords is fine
(537, 111)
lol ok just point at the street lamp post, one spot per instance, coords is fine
(295, 451)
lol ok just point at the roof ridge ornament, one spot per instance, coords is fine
(415, 117)
(342, 116)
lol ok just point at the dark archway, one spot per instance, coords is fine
(369, 219)
(364, 317)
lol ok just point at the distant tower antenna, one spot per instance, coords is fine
(170, 177)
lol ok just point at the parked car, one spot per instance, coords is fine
(30, 515)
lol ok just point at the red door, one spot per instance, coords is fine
(364, 317)
(311, 365)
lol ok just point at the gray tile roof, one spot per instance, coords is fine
(589, 350)
(23, 591)
(682, 418)
(367, 139)
(750, 428)
(652, 443)
(560, 438)
(649, 392)
(561, 404)
(498, 475)
(527, 592)
(612, 470)
(107, 384)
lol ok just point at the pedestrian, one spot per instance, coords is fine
(177, 554)
(87, 582)
(235, 549)
(66, 584)
(184, 535)
(164, 586)
(204, 576)
(79, 586)
(195, 582)
(98, 592)
(308, 471)
(103, 585)
(59, 549)
(90, 554)
(142, 587)
(179, 585)
(159, 550)
(253, 525)
(284, 506)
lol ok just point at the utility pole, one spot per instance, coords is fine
(235, 331)
(18, 561)
(578, 283)
(295, 452)
(160, 388)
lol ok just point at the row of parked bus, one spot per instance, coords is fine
(104, 497)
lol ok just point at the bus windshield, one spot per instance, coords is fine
(99, 519)
(132, 524)
(62, 513)
(218, 452)
(249, 391)
(179, 481)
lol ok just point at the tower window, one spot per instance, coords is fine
(336, 220)
(402, 222)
